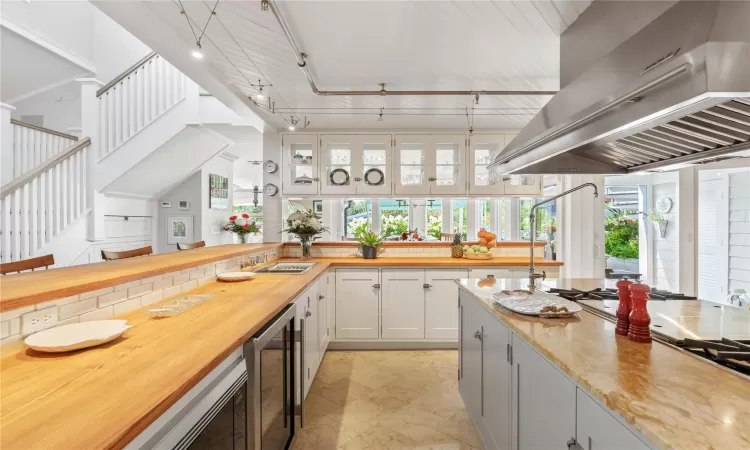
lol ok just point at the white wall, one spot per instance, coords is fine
(189, 190)
(60, 106)
(666, 276)
(739, 230)
(114, 48)
(215, 218)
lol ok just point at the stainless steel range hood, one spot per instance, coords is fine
(677, 91)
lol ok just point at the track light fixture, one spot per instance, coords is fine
(380, 116)
(197, 53)
(264, 5)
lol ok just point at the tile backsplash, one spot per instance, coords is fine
(115, 300)
(406, 252)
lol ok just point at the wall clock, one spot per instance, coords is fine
(664, 205)
(270, 166)
(270, 189)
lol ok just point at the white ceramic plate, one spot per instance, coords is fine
(236, 276)
(75, 336)
(532, 304)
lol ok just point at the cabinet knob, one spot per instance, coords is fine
(426, 286)
(376, 285)
(321, 297)
(478, 335)
(432, 179)
(573, 444)
(357, 179)
(316, 179)
(308, 314)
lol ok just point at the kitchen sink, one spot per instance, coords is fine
(287, 267)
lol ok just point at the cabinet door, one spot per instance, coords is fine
(312, 355)
(411, 163)
(526, 185)
(403, 304)
(596, 429)
(496, 380)
(441, 303)
(482, 148)
(447, 163)
(470, 355)
(340, 156)
(357, 306)
(543, 401)
(373, 175)
(324, 328)
(300, 164)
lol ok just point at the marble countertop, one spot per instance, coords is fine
(676, 400)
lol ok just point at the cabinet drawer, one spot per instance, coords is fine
(597, 429)
(445, 274)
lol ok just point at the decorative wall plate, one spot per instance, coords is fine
(374, 177)
(664, 205)
(339, 177)
(75, 336)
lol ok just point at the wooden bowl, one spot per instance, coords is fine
(483, 256)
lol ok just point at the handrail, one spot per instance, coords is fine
(15, 184)
(123, 75)
(42, 129)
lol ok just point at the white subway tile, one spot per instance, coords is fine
(126, 286)
(162, 284)
(206, 280)
(74, 319)
(179, 279)
(97, 293)
(77, 308)
(137, 291)
(26, 320)
(171, 274)
(197, 275)
(172, 291)
(151, 279)
(18, 312)
(127, 306)
(152, 298)
(4, 329)
(15, 326)
(97, 314)
(58, 302)
(12, 339)
(111, 299)
(189, 285)
(191, 270)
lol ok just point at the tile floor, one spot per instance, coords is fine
(386, 400)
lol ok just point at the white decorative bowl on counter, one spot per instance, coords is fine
(535, 304)
(76, 336)
(236, 276)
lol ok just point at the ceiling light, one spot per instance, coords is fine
(197, 54)
(260, 95)
(291, 127)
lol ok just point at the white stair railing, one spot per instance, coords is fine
(33, 145)
(39, 205)
(136, 98)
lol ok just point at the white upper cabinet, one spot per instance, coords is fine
(482, 148)
(373, 175)
(300, 164)
(355, 164)
(430, 164)
(531, 186)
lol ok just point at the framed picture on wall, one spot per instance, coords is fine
(179, 229)
(218, 192)
(318, 206)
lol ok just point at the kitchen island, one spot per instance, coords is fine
(538, 383)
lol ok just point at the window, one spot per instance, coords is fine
(484, 206)
(546, 220)
(460, 217)
(357, 217)
(255, 213)
(394, 217)
(434, 218)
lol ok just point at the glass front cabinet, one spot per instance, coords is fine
(482, 149)
(355, 164)
(430, 164)
(300, 164)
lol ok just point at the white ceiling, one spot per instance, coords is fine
(410, 45)
(27, 68)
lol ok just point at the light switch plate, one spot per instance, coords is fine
(38, 320)
(215, 230)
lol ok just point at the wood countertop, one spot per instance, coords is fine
(676, 400)
(33, 287)
(101, 398)
(428, 261)
(417, 244)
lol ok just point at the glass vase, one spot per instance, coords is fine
(242, 237)
(306, 241)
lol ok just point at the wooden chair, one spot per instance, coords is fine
(447, 237)
(191, 245)
(111, 256)
(27, 264)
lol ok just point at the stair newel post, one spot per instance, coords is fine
(90, 127)
(6, 144)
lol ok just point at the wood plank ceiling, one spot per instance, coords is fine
(409, 45)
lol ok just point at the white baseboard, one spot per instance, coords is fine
(383, 344)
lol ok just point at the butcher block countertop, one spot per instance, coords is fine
(28, 288)
(103, 397)
(431, 261)
(674, 399)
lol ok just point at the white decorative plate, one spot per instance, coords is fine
(75, 336)
(236, 276)
(532, 304)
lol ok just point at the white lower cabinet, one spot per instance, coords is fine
(470, 357)
(307, 310)
(324, 328)
(597, 429)
(441, 303)
(543, 404)
(403, 303)
(496, 383)
(357, 303)
(496, 272)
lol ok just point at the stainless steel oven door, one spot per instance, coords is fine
(270, 385)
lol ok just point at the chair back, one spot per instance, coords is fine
(111, 256)
(447, 237)
(27, 264)
(191, 245)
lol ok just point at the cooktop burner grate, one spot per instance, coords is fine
(726, 352)
(611, 294)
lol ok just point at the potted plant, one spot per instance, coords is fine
(305, 225)
(241, 226)
(369, 241)
(658, 218)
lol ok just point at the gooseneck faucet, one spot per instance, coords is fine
(532, 222)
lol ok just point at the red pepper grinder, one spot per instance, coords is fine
(623, 309)
(640, 321)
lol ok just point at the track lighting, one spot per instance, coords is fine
(380, 116)
(291, 127)
(197, 53)
(260, 95)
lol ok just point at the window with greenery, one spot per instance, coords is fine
(357, 217)
(621, 233)
(394, 217)
(485, 214)
(460, 216)
(435, 218)
(255, 213)
(546, 220)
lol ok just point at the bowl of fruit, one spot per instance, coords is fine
(482, 249)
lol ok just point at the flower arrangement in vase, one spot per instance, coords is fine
(411, 236)
(305, 225)
(241, 226)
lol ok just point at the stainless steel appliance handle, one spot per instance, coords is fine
(302, 372)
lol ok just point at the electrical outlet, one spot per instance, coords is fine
(215, 230)
(39, 320)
